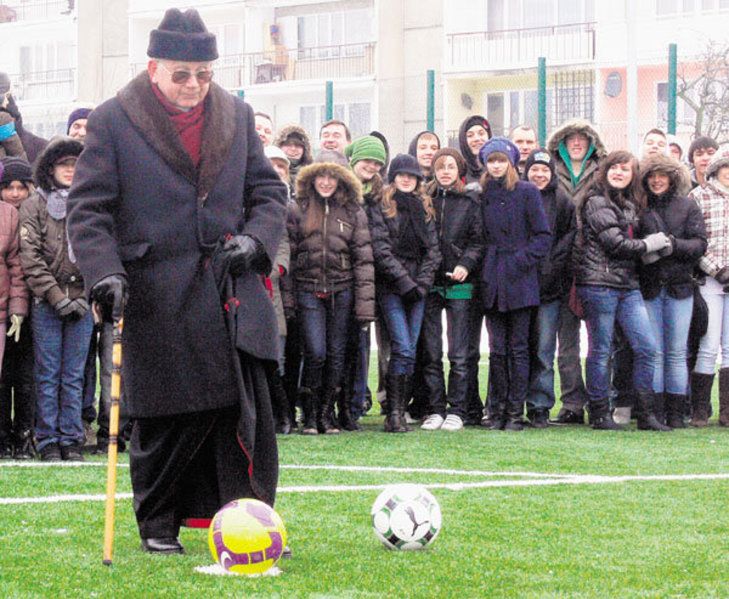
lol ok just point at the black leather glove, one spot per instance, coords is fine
(722, 277)
(246, 254)
(80, 308)
(110, 293)
(412, 296)
(64, 308)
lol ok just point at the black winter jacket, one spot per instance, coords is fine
(555, 270)
(680, 218)
(458, 223)
(605, 252)
(393, 273)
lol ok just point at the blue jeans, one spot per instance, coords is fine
(324, 325)
(403, 323)
(458, 317)
(60, 349)
(603, 307)
(541, 375)
(671, 319)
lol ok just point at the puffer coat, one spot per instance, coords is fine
(336, 253)
(13, 290)
(678, 217)
(605, 252)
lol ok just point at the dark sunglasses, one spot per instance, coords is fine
(180, 77)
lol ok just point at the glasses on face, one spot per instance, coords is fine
(179, 77)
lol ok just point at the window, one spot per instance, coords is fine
(684, 113)
(495, 112)
(569, 11)
(357, 115)
(335, 29)
(536, 14)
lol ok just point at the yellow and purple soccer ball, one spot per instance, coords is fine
(406, 517)
(247, 536)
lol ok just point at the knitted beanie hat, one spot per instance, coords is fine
(500, 144)
(12, 169)
(368, 147)
(79, 113)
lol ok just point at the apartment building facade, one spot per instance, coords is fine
(606, 61)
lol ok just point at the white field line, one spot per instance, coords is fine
(572, 480)
(477, 473)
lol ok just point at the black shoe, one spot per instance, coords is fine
(6, 450)
(566, 416)
(514, 425)
(71, 453)
(24, 448)
(492, 423)
(539, 419)
(51, 453)
(162, 545)
(101, 449)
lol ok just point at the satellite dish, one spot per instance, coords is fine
(613, 85)
(466, 101)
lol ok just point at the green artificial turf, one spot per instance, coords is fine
(644, 538)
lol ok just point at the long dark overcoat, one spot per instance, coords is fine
(517, 238)
(139, 206)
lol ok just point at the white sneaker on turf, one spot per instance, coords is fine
(452, 423)
(432, 422)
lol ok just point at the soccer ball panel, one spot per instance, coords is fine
(406, 517)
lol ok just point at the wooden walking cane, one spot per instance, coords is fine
(116, 363)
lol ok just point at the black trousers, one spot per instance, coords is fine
(17, 386)
(185, 466)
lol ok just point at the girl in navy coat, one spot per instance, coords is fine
(517, 237)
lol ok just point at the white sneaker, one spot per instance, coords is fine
(432, 422)
(622, 415)
(409, 419)
(452, 423)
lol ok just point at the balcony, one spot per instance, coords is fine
(283, 64)
(33, 10)
(520, 48)
(41, 86)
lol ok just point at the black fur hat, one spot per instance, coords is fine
(182, 36)
(59, 147)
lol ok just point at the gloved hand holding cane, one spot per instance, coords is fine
(110, 294)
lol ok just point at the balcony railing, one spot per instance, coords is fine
(34, 10)
(520, 48)
(283, 64)
(45, 85)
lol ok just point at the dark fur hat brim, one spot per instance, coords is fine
(182, 36)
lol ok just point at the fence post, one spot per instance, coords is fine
(431, 101)
(542, 100)
(330, 100)
(672, 64)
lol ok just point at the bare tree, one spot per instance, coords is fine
(707, 92)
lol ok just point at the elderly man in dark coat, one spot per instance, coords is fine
(175, 206)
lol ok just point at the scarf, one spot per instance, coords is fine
(56, 204)
(187, 123)
(412, 234)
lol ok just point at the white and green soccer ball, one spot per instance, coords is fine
(406, 517)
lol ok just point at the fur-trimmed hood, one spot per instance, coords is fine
(677, 172)
(576, 126)
(719, 159)
(297, 134)
(349, 189)
(57, 148)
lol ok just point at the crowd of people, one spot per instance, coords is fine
(530, 240)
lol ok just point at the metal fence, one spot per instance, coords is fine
(35, 9)
(56, 85)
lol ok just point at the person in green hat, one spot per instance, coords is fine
(366, 156)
